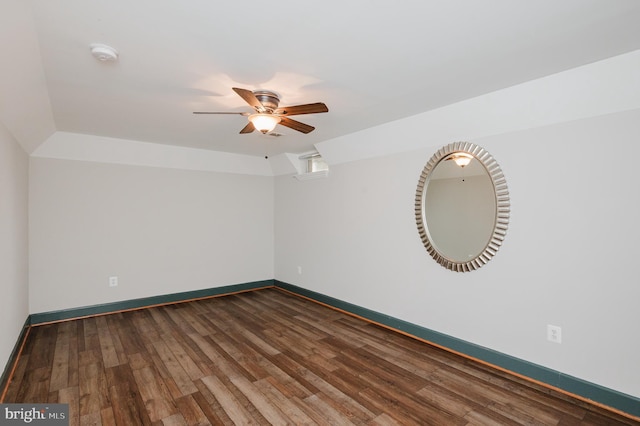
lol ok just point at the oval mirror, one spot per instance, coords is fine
(462, 206)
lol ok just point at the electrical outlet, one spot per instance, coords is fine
(554, 333)
(113, 281)
(299, 270)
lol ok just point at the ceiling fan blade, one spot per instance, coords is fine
(221, 112)
(250, 98)
(302, 109)
(248, 128)
(296, 125)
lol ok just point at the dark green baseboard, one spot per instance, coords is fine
(13, 358)
(590, 391)
(125, 305)
(573, 385)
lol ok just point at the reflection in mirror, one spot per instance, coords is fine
(462, 206)
(460, 209)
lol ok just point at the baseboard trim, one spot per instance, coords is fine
(114, 307)
(146, 302)
(592, 393)
(589, 392)
(13, 360)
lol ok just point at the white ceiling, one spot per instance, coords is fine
(370, 61)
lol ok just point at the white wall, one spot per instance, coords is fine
(159, 230)
(25, 109)
(568, 259)
(13, 242)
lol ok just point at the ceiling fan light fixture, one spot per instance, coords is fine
(264, 123)
(462, 159)
(267, 113)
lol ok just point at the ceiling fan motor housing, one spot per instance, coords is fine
(269, 100)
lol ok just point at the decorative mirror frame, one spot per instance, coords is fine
(503, 206)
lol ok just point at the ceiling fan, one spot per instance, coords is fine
(267, 113)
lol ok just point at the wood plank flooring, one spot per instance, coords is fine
(268, 357)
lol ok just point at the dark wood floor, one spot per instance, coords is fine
(267, 357)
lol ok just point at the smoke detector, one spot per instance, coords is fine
(104, 53)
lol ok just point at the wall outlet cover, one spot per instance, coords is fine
(554, 333)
